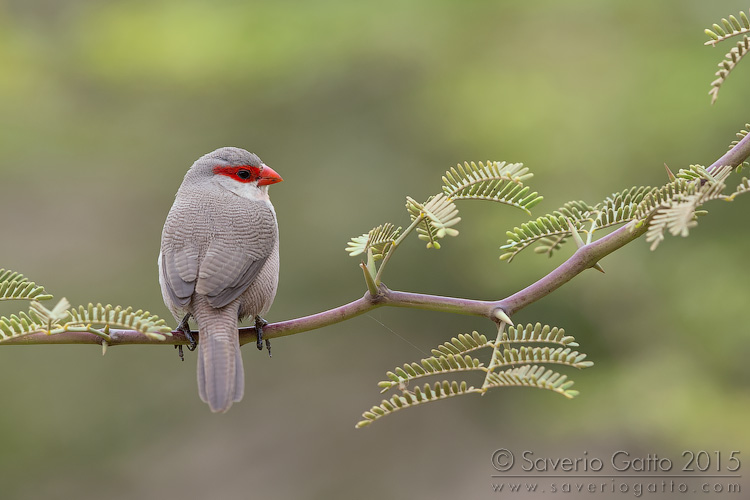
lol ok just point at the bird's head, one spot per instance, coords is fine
(236, 170)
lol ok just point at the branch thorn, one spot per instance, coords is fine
(502, 316)
(670, 174)
(574, 232)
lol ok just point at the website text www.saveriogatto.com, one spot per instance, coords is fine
(618, 472)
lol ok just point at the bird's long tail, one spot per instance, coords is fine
(221, 377)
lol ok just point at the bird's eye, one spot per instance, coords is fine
(243, 174)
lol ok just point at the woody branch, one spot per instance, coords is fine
(584, 258)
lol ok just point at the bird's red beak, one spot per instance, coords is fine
(268, 176)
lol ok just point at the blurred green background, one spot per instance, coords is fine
(104, 105)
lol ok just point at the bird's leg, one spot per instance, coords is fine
(259, 324)
(184, 327)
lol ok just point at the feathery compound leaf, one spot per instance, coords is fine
(731, 27)
(731, 59)
(531, 376)
(619, 208)
(14, 286)
(379, 239)
(357, 245)
(19, 325)
(660, 197)
(546, 355)
(435, 217)
(549, 230)
(677, 213)
(537, 333)
(494, 181)
(451, 358)
(678, 219)
(38, 320)
(434, 365)
(694, 172)
(50, 317)
(546, 245)
(115, 316)
(576, 210)
(441, 390)
(22, 290)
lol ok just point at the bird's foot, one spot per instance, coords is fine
(260, 323)
(184, 327)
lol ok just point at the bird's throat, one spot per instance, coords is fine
(249, 191)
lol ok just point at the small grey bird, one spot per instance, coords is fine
(219, 262)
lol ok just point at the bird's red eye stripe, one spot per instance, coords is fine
(243, 173)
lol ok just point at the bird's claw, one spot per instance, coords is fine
(260, 323)
(184, 327)
(192, 343)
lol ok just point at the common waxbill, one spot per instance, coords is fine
(219, 262)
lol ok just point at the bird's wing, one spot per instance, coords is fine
(239, 248)
(179, 262)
